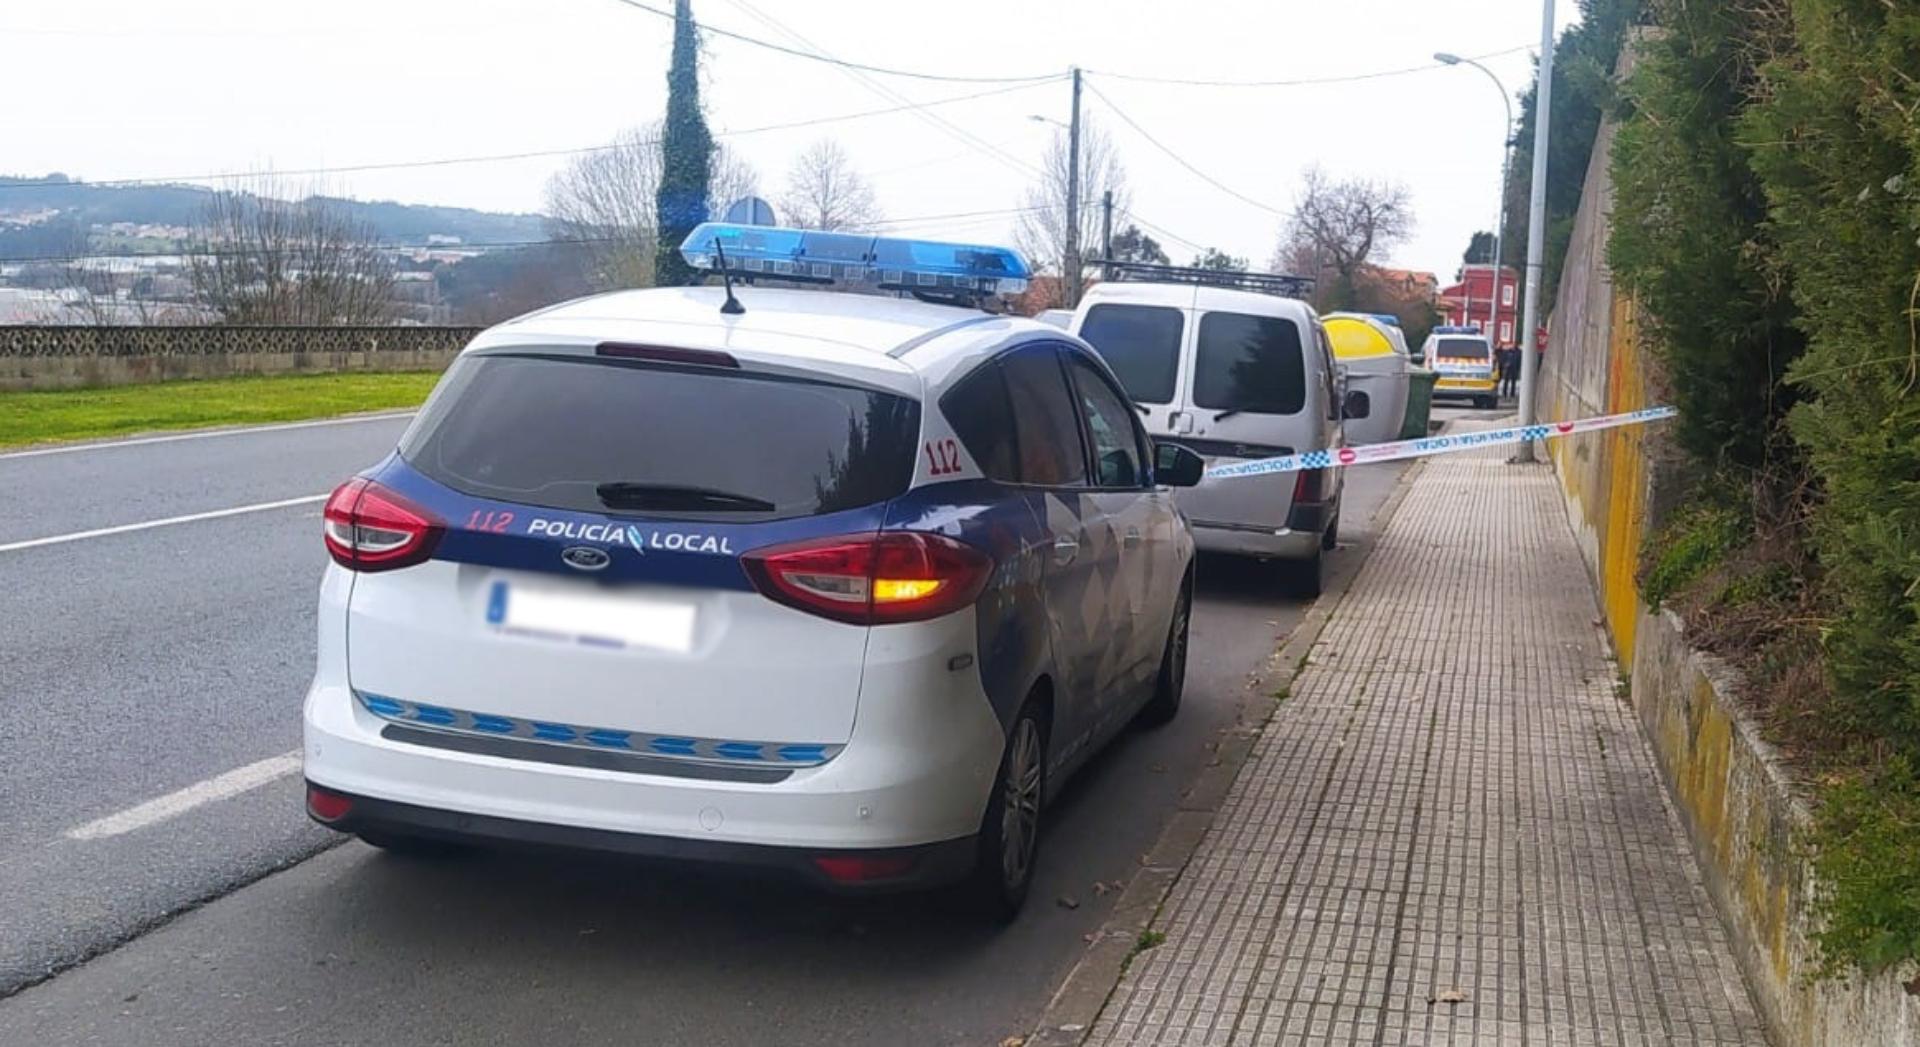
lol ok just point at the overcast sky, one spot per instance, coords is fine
(136, 88)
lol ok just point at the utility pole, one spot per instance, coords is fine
(1106, 226)
(1071, 260)
(1536, 230)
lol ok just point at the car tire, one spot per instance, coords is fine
(1170, 683)
(1009, 840)
(404, 845)
(1486, 403)
(1304, 578)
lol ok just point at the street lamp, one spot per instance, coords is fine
(1493, 298)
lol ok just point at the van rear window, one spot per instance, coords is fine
(1249, 363)
(555, 431)
(1142, 345)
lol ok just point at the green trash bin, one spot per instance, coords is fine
(1419, 402)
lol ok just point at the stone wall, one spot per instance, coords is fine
(1743, 812)
(50, 356)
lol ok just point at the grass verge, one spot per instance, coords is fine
(43, 416)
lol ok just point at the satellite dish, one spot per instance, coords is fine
(750, 210)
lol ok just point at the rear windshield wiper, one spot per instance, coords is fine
(1228, 413)
(631, 495)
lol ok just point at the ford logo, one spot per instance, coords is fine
(585, 557)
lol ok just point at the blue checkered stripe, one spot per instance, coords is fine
(1316, 460)
(705, 750)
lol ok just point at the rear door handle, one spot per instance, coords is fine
(1132, 537)
(1065, 548)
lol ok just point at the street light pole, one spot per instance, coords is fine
(1071, 259)
(1536, 229)
(1500, 222)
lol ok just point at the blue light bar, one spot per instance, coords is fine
(809, 256)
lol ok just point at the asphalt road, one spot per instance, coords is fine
(137, 664)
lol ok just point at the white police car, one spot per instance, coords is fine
(838, 583)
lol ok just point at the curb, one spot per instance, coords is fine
(1069, 1016)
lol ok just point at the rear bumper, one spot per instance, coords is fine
(926, 865)
(915, 772)
(1464, 388)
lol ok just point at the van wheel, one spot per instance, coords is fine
(1009, 839)
(1486, 403)
(1304, 578)
(1171, 683)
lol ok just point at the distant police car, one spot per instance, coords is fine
(842, 584)
(1464, 359)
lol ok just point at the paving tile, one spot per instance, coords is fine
(1451, 800)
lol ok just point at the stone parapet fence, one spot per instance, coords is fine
(59, 356)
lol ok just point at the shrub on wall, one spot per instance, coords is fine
(1768, 213)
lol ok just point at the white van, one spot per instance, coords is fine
(1233, 374)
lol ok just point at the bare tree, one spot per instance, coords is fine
(1338, 226)
(606, 201)
(260, 257)
(824, 191)
(1042, 230)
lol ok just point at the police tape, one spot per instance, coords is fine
(1432, 445)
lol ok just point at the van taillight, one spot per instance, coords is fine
(872, 579)
(369, 528)
(1310, 486)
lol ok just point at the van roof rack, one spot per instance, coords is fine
(1265, 283)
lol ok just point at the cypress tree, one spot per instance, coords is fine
(686, 153)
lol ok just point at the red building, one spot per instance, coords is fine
(1468, 303)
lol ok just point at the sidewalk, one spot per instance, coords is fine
(1451, 804)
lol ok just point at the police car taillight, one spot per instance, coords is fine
(369, 528)
(872, 579)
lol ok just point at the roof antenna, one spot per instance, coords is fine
(732, 306)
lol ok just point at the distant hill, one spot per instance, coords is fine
(83, 205)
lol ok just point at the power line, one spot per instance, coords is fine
(529, 154)
(1346, 78)
(1161, 229)
(939, 123)
(475, 246)
(1181, 160)
(830, 60)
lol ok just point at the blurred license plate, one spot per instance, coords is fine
(611, 619)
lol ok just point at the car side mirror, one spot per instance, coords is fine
(1356, 405)
(1418, 359)
(1176, 466)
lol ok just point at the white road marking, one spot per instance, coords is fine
(145, 525)
(205, 434)
(174, 804)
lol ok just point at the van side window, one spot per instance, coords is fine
(1329, 372)
(981, 414)
(1110, 427)
(1046, 427)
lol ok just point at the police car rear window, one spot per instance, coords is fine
(1461, 348)
(1249, 363)
(1142, 345)
(556, 431)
